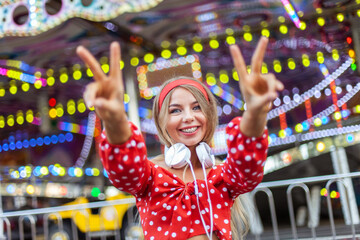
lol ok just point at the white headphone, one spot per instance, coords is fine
(178, 155)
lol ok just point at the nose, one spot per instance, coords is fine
(188, 116)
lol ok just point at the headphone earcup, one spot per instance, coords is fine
(177, 156)
(204, 154)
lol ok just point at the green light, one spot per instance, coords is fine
(95, 192)
(281, 19)
(89, 73)
(230, 40)
(148, 58)
(214, 44)
(265, 32)
(298, 128)
(181, 50)
(248, 37)
(340, 17)
(229, 31)
(302, 25)
(165, 44)
(235, 75)
(283, 29)
(291, 64)
(134, 61)
(317, 122)
(321, 21)
(282, 133)
(13, 90)
(337, 115)
(224, 78)
(197, 47)
(210, 79)
(166, 53)
(277, 66)
(264, 68)
(77, 75)
(64, 78)
(353, 66)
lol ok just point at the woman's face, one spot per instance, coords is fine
(186, 122)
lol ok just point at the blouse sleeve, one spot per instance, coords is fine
(127, 165)
(243, 168)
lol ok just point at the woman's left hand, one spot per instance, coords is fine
(258, 90)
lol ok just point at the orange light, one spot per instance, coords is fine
(351, 53)
(287, 158)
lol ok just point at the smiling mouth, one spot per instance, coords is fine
(189, 130)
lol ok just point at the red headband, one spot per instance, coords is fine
(164, 92)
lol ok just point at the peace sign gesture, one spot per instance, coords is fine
(258, 90)
(106, 93)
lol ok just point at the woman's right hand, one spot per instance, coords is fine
(106, 93)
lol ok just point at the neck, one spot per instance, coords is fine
(194, 158)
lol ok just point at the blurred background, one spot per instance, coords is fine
(48, 138)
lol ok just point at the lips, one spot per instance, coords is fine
(189, 129)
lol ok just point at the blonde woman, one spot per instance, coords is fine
(183, 194)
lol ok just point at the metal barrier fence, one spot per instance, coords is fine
(256, 229)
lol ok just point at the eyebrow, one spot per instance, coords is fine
(178, 105)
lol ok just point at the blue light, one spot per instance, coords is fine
(71, 172)
(345, 113)
(47, 140)
(288, 131)
(0, 148)
(36, 171)
(61, 138)
(105, 174)
(273, 136)
(89, 171)
(39, 141)
(19, 145)
(25, 143)
(325, 120)
(10, 189)
(11, 139)
(69, 137)
(54, 139)
(32, 142)
(350, 138)
(305, 125)
(12, 146)
(5, 147)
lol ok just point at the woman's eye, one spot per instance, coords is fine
(174, 110)
(197, 107)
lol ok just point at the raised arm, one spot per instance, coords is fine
(259, 90)
(106, 94)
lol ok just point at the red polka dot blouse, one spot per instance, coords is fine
(168, 207)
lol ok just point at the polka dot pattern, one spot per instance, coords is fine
(168, 206)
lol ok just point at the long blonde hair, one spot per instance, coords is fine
(239, 223)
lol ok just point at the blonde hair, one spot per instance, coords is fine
(239, 223)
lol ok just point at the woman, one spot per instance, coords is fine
(170, 202)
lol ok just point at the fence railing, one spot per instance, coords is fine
(266, 187)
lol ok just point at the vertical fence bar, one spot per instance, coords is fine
(46, 224)
(33, 227)
(272, 209)
(291, 208)
(8, 227)
(331, 214)
(73, 225)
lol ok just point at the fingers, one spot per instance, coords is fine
(93, 64)
(90, 94)
(115, 56)
(258, 57)
(239, 62)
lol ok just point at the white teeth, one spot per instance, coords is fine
(189, 130)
